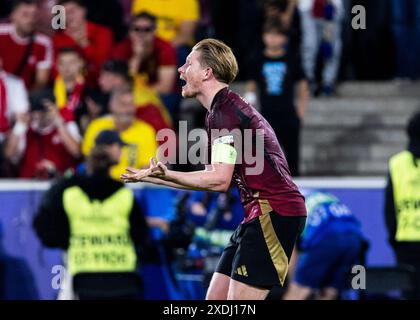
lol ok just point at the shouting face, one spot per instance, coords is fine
(194, 74)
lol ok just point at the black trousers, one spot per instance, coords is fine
(410, 255)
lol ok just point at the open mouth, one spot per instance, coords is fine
(183, 83)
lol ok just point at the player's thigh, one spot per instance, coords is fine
(219, 287)
(242, 291)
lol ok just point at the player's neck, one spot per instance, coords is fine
(209, 92)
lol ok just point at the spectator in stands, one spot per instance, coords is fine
(402, 199)
(276, 73)
(26, 53)
(321, 30)
(330, 245)
(93, 40)
(151, 59)
(47, 146)
(69, 84)
(14, 106)
(149, 108)
(139, 136)
(96, 217)
(287, 12)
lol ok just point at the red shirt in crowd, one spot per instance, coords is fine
(100, 41)
(163, 54)
(44, 146)
(13, 49)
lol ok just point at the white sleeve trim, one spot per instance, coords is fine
(74, 131)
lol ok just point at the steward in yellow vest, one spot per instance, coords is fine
(97, 220)
(402, 202)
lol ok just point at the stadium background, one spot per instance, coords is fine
(346, 140)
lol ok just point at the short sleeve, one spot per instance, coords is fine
(20, 101)
(224, 129)
(46, 59)
(299, 74)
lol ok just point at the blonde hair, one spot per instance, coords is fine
(219, 57)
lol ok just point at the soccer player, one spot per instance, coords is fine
(256, 259)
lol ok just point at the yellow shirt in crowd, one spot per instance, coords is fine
(140, 137)
(169, 13)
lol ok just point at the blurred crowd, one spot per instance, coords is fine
(114, 67)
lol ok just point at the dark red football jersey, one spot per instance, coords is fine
(270, 190)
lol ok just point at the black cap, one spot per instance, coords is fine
(107, 137)
(119, 67)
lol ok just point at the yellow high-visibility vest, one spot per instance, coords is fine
(405, 177)
(100, 238)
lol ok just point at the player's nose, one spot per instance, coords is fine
(182, 68)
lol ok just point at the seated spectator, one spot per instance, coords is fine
(139, 136)
(150, 57)
(93, 40)
(13, 113)
(47, 146)
(69, 85)
(26, 53)
(150, 109)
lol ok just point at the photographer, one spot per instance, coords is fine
(44, 146)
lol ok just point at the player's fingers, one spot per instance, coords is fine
(152, 162)
(161, 166)
(132, 170)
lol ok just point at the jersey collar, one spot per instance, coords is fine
(220, 96)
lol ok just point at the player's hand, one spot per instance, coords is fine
(137, 175)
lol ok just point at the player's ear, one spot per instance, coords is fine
(208, 73)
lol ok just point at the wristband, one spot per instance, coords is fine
(19, 128)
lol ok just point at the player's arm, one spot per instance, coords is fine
(216, 177)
